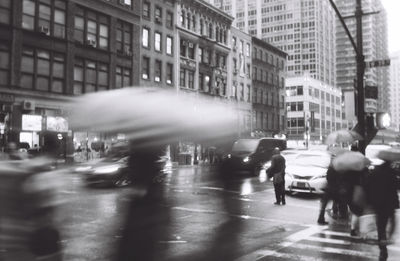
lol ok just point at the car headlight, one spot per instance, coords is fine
(106, 169)
(319, 177)
(267, 165)
(229, 156)
(246, 159)
(83, 168)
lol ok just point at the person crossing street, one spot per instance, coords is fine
(277, 172)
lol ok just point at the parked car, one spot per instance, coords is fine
(307, 172)
(250, 154)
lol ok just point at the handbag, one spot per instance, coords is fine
(358, 201)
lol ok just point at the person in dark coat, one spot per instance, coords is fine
(277, 172)
(382, 195)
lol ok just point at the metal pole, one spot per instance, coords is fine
(360, 76)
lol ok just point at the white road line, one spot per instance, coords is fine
(264, 253)
(328, 240)
(221, 189)
(173, 242)
(332, 250)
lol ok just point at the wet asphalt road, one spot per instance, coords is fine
(202, 217)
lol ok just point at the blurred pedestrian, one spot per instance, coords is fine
(139, 241)
(382, 195)
(277, 173)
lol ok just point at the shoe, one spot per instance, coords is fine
(353, 233)
(322, 222)
(283, 203)
(277, 203)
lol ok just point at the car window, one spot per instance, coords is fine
(245, 145)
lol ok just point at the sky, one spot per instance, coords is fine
(393, 11)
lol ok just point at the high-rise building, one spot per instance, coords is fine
(304, 29)
(375, 47)
(395, 90)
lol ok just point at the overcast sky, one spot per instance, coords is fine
(393, 10)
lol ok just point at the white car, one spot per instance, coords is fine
(306, 172)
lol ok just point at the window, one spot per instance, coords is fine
(191, 50)
(170, 19)
(207, 83)
(146, 10)
(42, 70)
(182, 47)
(182, 78)
(90, 76)
(248, 50)
(124, 37)
(145, 37)
(191, 79)
(201, 82)
(4, 64)
(157, 42)
(169, 73)
(47, 17)
(200, 51)
(158, 15)
(145, 68)
(91, 28)
(5, 11)
(169, 45)
(157, 71)
(123, 76)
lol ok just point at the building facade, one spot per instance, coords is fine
(395, 90)
(241, 85)
(158, 49)
(53, 50)
(268, 88)
(314, 109)
(375, 47)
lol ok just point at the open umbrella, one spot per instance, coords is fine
(350, 161)
(342, 136)
(154, 115)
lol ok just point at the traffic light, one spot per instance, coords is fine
(382, 120)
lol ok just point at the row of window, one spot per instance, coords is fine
(268, 58)
(265, 121)
(299, 123)
(203, 27)
(158, 41)
(262, 96)
(241, 93)
(4, 64)
(267, 77)
(156, 74)
(158, 14)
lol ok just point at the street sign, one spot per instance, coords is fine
(377, 63)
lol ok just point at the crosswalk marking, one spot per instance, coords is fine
(329, 240)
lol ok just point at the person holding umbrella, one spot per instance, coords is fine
(382, 195)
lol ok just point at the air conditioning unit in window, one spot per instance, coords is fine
(184, 43)
(158, 19)
(127, 51)
(91, 42)
(44, 30)
(28, 105)
(190, 45)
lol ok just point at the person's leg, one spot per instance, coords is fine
(277, 194)
(283, 193)
(381, 222)
(323, 203)
(354, 225)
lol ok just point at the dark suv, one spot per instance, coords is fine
(250, 154)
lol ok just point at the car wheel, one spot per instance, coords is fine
(122, 182)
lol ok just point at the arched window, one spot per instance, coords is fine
(217, 34)
(183, 18)
(210, 30)
(221, 35)
(201, 27)
(189, 18)
(194, 22)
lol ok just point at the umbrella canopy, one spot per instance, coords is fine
(154, 115)
(342, 136)
(350, 161)
(389, 154)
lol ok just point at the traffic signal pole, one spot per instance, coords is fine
(358, 48)
(360, 78)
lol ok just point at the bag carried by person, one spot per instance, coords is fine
(358, 201)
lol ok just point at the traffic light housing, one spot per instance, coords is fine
(382, 120)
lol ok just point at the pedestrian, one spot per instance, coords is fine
(382, 195)
(277, 173)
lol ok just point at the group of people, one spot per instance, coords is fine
(359, 190)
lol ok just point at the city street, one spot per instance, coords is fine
(204, 218)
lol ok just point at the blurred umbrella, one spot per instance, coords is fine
(389, 155)
(350, 161)
(340, 136)
(153, 115)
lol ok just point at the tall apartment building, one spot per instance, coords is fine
(55, 49)
(375, 47)
(304, 29)
(394, 92)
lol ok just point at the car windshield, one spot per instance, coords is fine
(246, 145)
(315, 160)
